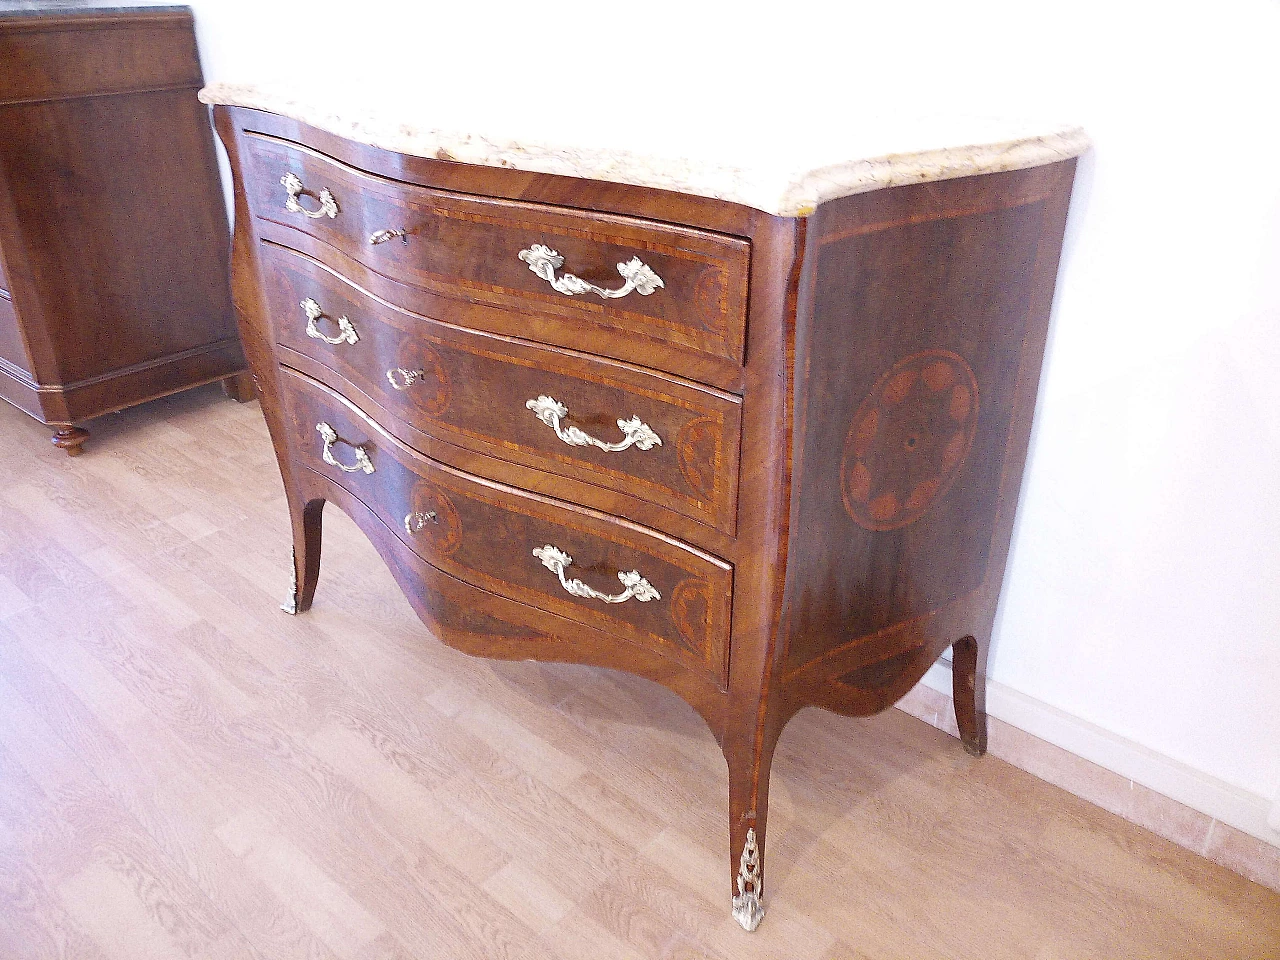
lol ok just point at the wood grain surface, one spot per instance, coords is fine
(187, 772)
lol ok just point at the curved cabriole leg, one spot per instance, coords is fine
(969, 692)
(70, 439)
(306, 555)
(748, 811)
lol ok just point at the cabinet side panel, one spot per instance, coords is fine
(124, 226)
(913, 420)
(12, 349)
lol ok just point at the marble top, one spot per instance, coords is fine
(36, 8)
(748, 163)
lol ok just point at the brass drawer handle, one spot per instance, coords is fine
(544, 262)
(413, 522)
(557, 560)
(294, 189)
(330, 437)
(550, 411)
(346, 332)
(402, 379)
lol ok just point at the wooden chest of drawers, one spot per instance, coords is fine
(114, 271)
(767, 461)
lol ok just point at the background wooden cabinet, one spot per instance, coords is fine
(114, 267)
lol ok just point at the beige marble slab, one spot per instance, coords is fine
(784, 175)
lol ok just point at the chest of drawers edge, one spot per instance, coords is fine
(796, 333)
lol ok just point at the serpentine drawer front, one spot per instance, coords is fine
(662, 281)
(574, 434)
(663, 440)
(497, 538)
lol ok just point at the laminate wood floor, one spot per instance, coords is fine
(185, 771)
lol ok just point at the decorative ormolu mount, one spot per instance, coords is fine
(557, 560)
(748, 905)
(634, 432)
(346, 332)
(544, 261)
(290, 606)
(294, 189)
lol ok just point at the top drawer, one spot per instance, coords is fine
(576, 265)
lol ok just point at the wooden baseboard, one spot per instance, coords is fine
(1214, 819)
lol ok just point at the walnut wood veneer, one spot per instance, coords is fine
(114, 247)
(841, 405)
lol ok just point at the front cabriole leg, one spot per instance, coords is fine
(306, 518)
(749, 764)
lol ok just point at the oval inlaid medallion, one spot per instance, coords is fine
(698, 454)
(690, 610)
(709, 295)
(430, 391)
(444, 530)
(909, 439)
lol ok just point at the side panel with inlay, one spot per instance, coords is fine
(922, 317)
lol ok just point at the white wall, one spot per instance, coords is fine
(1143, 594)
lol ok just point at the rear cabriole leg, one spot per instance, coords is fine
(969, 692)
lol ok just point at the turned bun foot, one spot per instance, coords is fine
(70, 440)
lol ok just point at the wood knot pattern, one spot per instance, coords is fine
(909, 439)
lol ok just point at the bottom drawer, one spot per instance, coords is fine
(580, 564)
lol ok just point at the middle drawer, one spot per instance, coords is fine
(653, 437)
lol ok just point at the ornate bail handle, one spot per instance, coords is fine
(346, 332)
(544, 261)
(557, 560)
(550, 412)
(294, 189)
(330, 437)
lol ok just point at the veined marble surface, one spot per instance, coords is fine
(787, 175)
